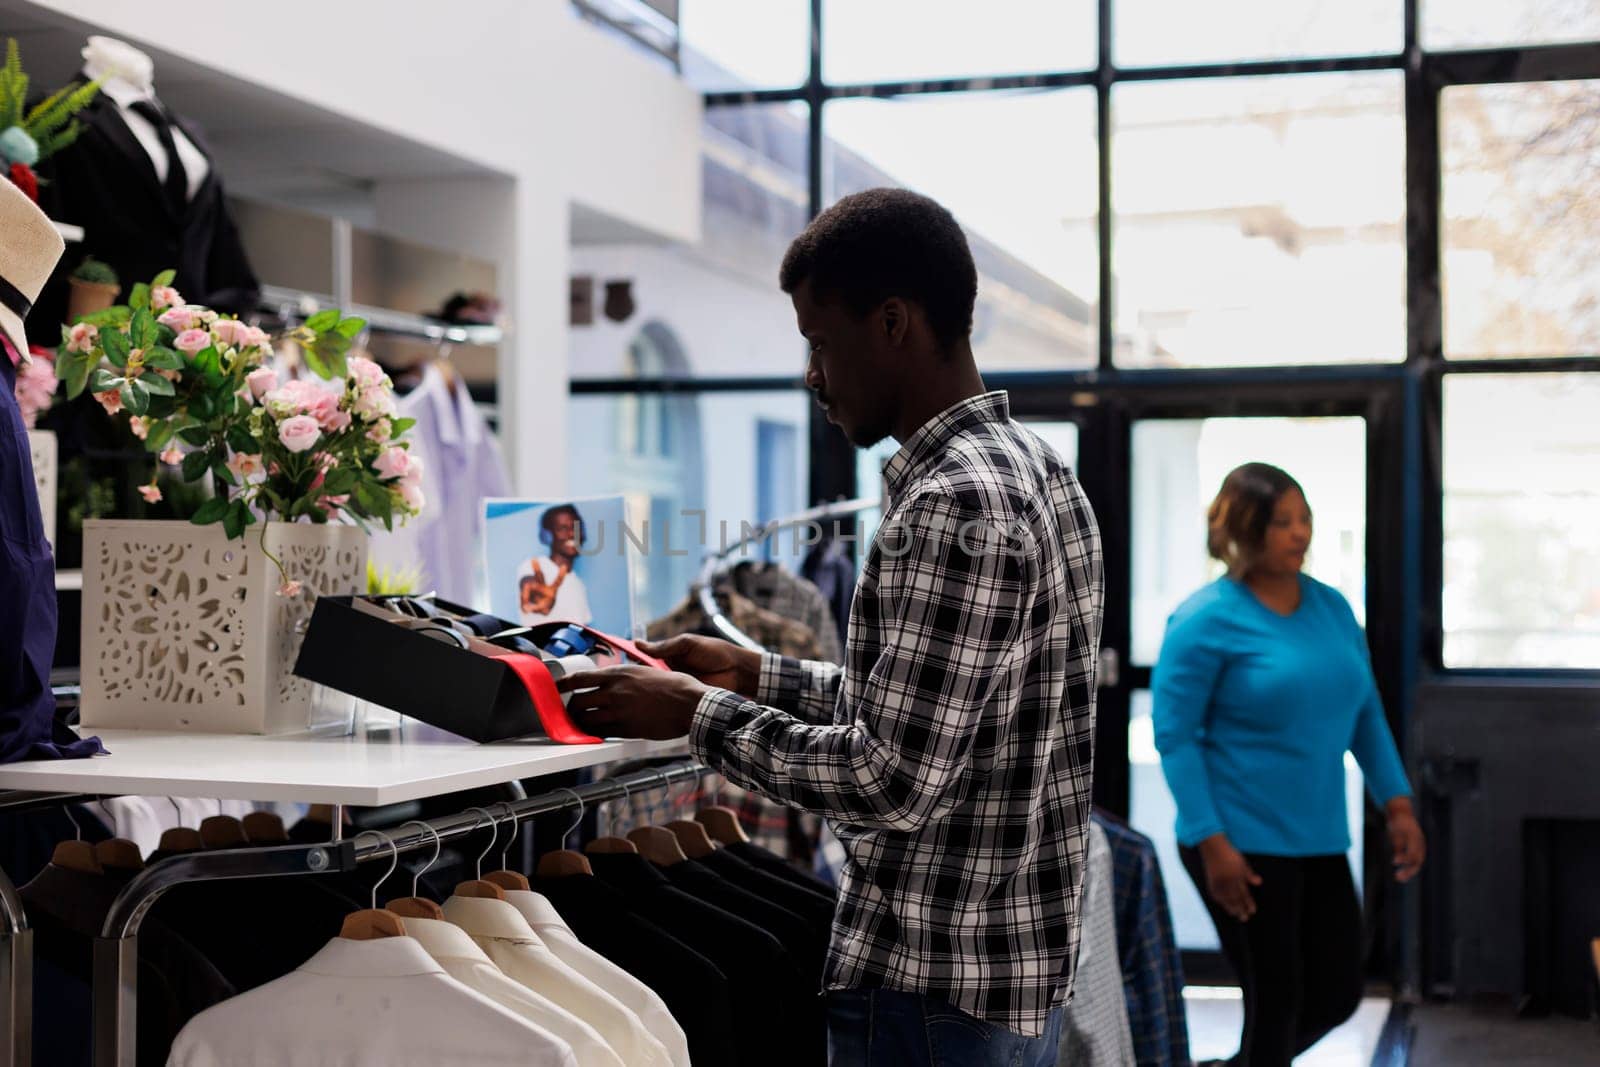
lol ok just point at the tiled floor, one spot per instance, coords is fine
(1216, 1013)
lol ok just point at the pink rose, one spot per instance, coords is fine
(375, 402)
(393, 462)
(82, 337)
(299, 433)
(140, 428)
(171, 375)
(301, 397)
(364, 372)
(111, 400)
(230, 332)
(330, 504)
(289, 589)
(411, 496)
(256, 337)
(163, 297)
(261, 381)
(150, 493)
(336, 421)
(172, 457)
(190, 342)
(179, 319)
(380, 431)
(244, 465)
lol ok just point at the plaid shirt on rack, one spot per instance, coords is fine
(952, 752)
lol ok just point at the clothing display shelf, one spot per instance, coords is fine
(294, 305)
(722, 560)
(309, 768)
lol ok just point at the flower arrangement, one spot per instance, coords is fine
(35, 389)
(28, 136)
(197, 389)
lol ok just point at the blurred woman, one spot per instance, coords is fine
(1262, 685)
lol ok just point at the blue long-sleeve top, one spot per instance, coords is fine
(1254, 712)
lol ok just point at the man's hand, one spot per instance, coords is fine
(632, 701)
(720, 664)
(1405, 837)
(1229, 877)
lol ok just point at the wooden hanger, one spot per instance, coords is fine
(222, 831)
(603, 845)
(414, 906)
(119, 853)
(77, 854)
(692, 837)
(368, 924)
(722, 824)
(480, 886)
(565, 862)
(181, 839)
(265, 828)
(658, 845)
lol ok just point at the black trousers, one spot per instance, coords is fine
(1298, 959)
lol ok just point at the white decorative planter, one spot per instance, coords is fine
(183, 629)
(42, 445)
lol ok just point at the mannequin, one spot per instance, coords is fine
(126, 75)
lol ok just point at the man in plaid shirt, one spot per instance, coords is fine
(952, 753)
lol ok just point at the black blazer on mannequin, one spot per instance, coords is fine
(106, 183)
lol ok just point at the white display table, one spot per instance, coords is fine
(310, 768)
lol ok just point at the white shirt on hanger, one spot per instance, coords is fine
(377, 1003)
(634, 994)
(464, 961)
(502, 933)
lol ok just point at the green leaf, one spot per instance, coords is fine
(73, 369)
(164, 278)
(323, 320)
(314, 360)
(101, 380)
(198, 436)
(332, 348)
(160, 433)
(157, 385)
(373, 497)
(135, 396)
(211, 511)
(210, 365)
(400, 426)
(350, 328)
(233, 522)
(116, 346)
(340, 480)
(240, 441)
(143, 328)
(202, 407)
(139, 297)
(116, 316)
(163, 359)
(220, 469)
(195, 465)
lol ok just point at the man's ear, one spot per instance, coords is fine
(896, 317)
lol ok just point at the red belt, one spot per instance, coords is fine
(546, 700)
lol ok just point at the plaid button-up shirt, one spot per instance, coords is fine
(952, 753)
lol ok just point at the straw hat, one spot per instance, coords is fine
(29, 250)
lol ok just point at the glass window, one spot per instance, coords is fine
(1521, 219)
(905, 40)
(1159, 32)
(1521, 507)
(1260, 221)
(1482, 23)
(711, 452)
(734, 44)
(1152, 811)
(715, 306)
(1018, 171)
(1178, 466)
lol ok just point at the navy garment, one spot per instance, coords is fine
(28, 727)
(1152, 970)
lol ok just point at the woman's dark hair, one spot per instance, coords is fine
(881, 243)
(1236, 522)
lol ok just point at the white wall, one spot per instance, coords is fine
(518, 88)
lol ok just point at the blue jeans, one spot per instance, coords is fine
(887, 1028)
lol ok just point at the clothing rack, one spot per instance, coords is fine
(716, 563)
(116, 950)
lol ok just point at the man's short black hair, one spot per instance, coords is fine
(882, 243)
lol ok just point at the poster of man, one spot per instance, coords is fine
(560, 560)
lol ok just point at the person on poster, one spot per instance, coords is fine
(546, 587)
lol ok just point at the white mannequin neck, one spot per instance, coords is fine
(120, 67)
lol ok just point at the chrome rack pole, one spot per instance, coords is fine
(116, 951)
(16, 979)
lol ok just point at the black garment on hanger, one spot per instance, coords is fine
(774, 864)
(806, 941)
(694, 990)
(811, 905)
(771, 999)
(106, 183)
(67, 909)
